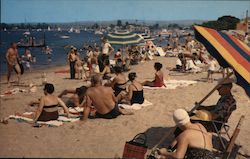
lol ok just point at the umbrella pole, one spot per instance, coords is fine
(212, 91)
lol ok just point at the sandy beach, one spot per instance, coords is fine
(106, 138)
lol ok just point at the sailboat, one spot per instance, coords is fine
(71, 30)
(4, 29)
(49, 28)
(59, 29)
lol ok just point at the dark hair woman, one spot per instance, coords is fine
(159, 77)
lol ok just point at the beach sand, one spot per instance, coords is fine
(106, 138)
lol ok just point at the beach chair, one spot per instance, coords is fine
(227, 152)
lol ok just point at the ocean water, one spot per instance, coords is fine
(53, 40)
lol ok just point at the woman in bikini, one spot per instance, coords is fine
(48, 106)
(193, 143)
(159, 77)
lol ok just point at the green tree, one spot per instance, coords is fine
(119, 23)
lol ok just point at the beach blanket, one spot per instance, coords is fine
(173, 84)
(52, 123)
(135, 106)
(62, 71)
(13, 91)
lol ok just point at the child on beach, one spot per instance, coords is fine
(79, 67)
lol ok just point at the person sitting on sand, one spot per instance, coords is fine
(118, 83)
(135, 90)
(48, 106)
(193, 143)
(106, 71)
(159, 77)
(76, 100)
(103, 100)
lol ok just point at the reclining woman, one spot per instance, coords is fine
(76, 100)
(193, 143)
(135, 90)
(159, 77)
(48, 106)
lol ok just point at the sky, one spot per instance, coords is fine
(20, 11)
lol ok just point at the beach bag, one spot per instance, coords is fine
(136, 148)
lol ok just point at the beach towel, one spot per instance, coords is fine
(135, 106)
(173, 84)
(13, 91)
(160, 51)
(61, 71)
(52, 123)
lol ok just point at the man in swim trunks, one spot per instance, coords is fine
(12, 62)
(103, 99)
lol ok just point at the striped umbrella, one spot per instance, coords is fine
(124, 38)
(229, 52)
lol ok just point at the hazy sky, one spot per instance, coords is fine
(13, 11)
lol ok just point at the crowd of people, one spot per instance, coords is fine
(194, 139)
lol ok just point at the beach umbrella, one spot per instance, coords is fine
(124, 38)
(229, 52)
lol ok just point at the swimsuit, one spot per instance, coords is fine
(47, 116)
(199, 153)
(118, 89)
(137, 96)
(158, 81)
(110, 115)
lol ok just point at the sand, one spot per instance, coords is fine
(106, 138)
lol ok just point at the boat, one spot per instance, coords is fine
(71, 30)
(4, 29)
(39, 29)
(49, 28)
(26, 33)
(65, 37)
(59, 29)
(77, 31)
(98, 32)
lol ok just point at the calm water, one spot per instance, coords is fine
(53, 40)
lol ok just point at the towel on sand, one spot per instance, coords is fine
(135, 106)
(13, 91)
(52, 123)
(173, 84)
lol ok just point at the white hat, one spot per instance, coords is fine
(181, 117)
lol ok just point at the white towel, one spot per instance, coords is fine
(173, 84)
(135, 106)
(52, 123)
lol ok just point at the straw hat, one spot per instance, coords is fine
(181, 117)
(202, 115)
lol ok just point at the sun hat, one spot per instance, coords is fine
(202, 115)
(181, 117)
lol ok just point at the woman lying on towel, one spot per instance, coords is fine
(135, 90)
(48, 106)
(193, 143)
(159, 77)
(77, 98)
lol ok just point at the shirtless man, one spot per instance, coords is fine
(103, 99)
(12, 62)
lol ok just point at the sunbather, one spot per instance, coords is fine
(106, 71)
(103, 99)
(48, 106)
(159, 77)
(193, 143)
(225, 105)
(76, 100)
(135, 90)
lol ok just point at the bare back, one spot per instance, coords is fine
(102, 98)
